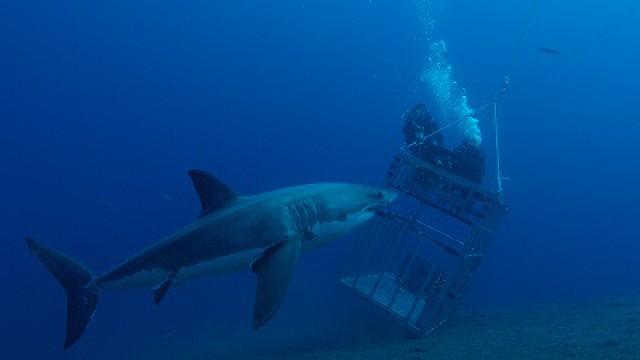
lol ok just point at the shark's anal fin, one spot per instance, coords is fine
(274, 270)
(213, 193)
(160, 291)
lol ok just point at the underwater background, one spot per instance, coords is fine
(104, 106)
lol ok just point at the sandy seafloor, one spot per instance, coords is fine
(598, 330)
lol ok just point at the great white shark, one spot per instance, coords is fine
(264, 232)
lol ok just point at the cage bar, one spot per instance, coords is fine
(416, 260)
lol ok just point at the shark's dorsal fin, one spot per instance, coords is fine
(213, 193)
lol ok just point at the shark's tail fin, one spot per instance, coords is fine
(74, 277)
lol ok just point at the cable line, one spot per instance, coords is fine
(523, 35)
(601, 35)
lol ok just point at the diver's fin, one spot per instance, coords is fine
(74, 277)
(274, 270)
(161, 290)
(213, 193)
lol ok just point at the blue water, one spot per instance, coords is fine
(104, 106)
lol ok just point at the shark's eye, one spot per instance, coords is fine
(378, 195)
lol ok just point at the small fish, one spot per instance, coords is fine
(549, 51)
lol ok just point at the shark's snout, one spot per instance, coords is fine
(383, 197)
(389, 196)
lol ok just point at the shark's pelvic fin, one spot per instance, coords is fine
(213, 193)
(161, 290)
(81, 302)
(274, 270)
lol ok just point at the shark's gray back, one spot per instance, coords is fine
(242, 224)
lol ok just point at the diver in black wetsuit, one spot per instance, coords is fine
(468, 161)
(424, 141)
(420, 132)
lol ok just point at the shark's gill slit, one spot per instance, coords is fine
(222, 240)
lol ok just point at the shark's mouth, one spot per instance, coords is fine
(378, 206)
(377, 209)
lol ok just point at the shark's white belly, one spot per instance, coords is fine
(224, 264)
(153, 277)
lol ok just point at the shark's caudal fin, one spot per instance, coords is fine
(81, 302)
(213, 193)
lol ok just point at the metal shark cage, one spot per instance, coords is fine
(416, 259)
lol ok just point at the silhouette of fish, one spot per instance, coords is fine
(550, 51)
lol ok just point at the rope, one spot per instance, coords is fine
(506, 82)
(503, 90)
(499, 177)
(439, 130)
(516, 54)
(483, 107)
(498, 98)
(601, 35)
(523, 34)
(514, 58)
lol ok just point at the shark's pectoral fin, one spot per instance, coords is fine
(161, 290)
(213, 193)
(274, 270)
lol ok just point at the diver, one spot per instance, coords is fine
(468, 161)
(421, 134)
(424, 140)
